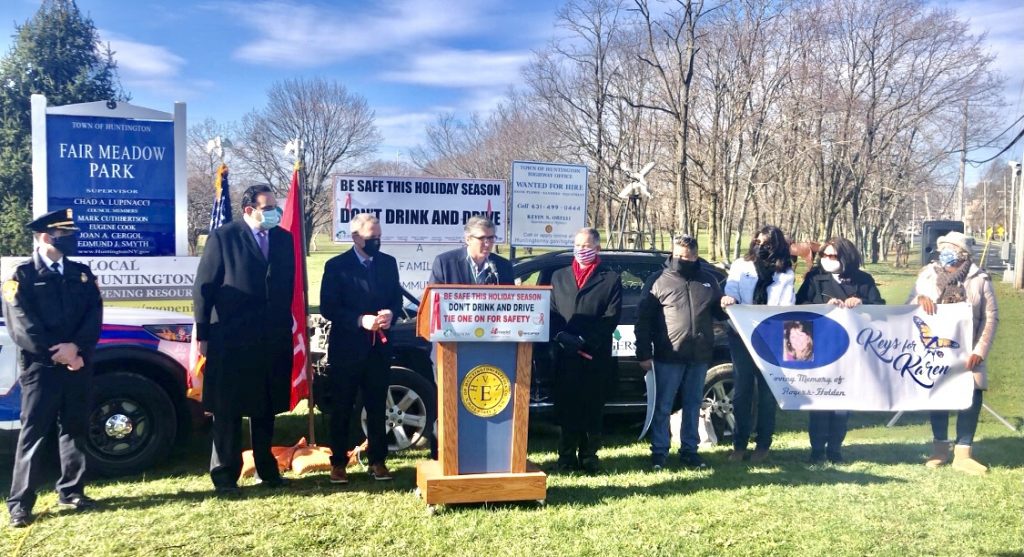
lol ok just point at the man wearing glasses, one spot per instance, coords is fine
(474, 264)
(242, 301)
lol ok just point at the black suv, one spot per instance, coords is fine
(412, 399)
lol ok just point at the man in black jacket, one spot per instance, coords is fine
(361, 296)
(475, 263)
(243, 310)
(674, 318)
(53, 311)
(586, 303)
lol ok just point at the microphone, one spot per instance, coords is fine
(493, 270)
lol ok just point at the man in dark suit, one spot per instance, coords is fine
(361, 296)
(242, 302)
(54, 313)
(473, 264)
(586, 303)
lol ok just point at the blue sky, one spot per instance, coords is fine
(411, 59)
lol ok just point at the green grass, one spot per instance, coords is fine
(883, 502)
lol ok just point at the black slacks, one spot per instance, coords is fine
(226, 455)
(580, 389)
(52, 398)
(371, 377)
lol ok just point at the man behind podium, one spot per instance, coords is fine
(586, 303)
(361, 296)
(243, 311)
(473, 264)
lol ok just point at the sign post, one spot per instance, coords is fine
(484, 337)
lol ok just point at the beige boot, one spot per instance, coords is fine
(940, 454)
(963, 462)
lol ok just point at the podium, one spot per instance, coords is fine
(484, 337)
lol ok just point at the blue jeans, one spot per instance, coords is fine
(827, 429)
(671, 378)
(966, 422)
(745, 373)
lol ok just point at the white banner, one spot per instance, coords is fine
(134, 278)
(414, 262)
(489, 315)
(886, 358)
(549, 203)
(418, 210)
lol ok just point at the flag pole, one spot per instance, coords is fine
(300, 168)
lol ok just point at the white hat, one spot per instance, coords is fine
(954, 238)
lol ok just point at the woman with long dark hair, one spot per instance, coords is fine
(764, 276)
(837, 279)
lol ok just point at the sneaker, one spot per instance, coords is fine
(20, 519)
(760, 455)
(339, 475)
(836, 458)
(692, 460)
(658, 463)
(816, 458)
(380, 472)
(76, 501)
(273, 483)
(738, 455)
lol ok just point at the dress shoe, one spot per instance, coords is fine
(76, 501)
(816, 458)
(759, 455)
(20, 519)
(590, 466)
(380, 472)
(274, 483)
(339, 475)
(738, 455)
(226, 491)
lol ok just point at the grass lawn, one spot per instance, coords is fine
(882, 502)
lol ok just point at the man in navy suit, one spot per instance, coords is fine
(473, 264)
(243, 311)
(361, 296)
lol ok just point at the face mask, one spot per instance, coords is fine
(687, 268)
(67, 245)
(948, 257)
(831, 265)
(268, 218)
(371, 246)
(584, 256)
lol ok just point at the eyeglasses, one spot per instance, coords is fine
(830, 256)
(490, 238)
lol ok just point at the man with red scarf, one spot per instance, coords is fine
(586, 302)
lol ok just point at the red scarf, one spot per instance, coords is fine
(582, 275)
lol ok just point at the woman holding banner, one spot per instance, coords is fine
(764, 277)
(836, 280)
(951, 279)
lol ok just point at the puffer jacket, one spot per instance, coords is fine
(985, 310)
(675, 316)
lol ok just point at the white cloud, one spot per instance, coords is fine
(461, 68)
(405, 130)
(150, 68)
(313, 35)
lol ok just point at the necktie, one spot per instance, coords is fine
(56, 267)
(261, 239)
(369, 268)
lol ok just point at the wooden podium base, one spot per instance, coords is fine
(436, 488)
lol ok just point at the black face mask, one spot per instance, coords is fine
(67, 245)
(371, 246)
(687, 268)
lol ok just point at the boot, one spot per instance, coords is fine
(940, 454)
(963, 461)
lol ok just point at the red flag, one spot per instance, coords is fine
(291, 221)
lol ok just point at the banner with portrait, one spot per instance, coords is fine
(884, 358)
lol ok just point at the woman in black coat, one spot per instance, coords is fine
(836, 280)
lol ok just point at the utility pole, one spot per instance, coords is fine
(1018, 244)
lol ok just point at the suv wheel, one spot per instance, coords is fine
(410, 408)
(131, 425)
(718, 394)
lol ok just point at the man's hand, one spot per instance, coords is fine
(64, 353)
(646, 365)
(369, 322)
(974, 361)
(926, 304)
(728, 301)
(835, 302)
(384, 318)
(76, 364)
(203, 345)
(852, 302)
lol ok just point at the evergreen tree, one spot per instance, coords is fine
(57, 53)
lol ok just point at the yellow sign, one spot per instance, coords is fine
(486, 391)
(10, 290)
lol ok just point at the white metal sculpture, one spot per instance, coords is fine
(633, 209)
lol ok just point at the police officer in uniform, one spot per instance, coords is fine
(54, 313)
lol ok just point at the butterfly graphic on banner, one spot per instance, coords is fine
(932, 343)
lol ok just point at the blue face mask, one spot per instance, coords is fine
(271, 218)
(948, 257)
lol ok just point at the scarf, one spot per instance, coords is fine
(765, 277)
(951, 284)
(581, 274)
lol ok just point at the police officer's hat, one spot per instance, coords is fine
(61, 219)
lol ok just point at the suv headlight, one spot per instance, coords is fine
(173, 333)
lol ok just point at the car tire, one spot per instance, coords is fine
(411, 408)
(132, 424)
(719, 390)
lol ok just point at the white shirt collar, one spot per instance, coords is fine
(48, 262)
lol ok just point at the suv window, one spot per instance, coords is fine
(634, 274)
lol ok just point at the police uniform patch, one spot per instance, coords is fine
(10, 290)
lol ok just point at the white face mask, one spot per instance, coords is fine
(830, 265)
